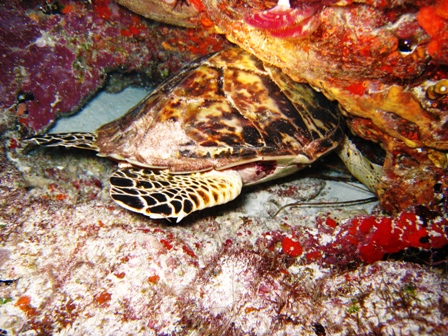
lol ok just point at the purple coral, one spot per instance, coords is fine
(62, 57)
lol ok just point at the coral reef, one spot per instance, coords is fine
(383, 62)
(73, 263)
(55, 59)
(386, 68)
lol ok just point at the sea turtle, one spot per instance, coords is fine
(224, 121)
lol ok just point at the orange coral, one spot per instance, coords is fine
(430, 21)
(291, 247)
(433, 19)
(442, 9)
(102, 10)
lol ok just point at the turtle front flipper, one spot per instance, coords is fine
(161, 194)
(82, 140)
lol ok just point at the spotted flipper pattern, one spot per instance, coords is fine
(161, 194)
(82, 140)
(367, 172)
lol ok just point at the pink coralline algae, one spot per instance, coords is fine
(59, 57)
(285, 22)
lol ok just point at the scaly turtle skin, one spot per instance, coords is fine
(223, 122)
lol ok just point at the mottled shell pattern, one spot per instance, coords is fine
(224, 121)
(221, 111)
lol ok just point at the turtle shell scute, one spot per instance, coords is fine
(220, 111)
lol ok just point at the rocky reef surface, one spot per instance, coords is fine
(383, 61)
(56, 55)
(74, 263)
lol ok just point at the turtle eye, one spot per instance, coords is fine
(406, 45)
